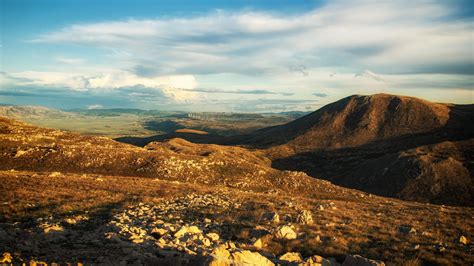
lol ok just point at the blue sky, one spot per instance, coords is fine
(241, 56)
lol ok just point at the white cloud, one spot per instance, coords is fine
(370, 74)
(169, 86)
(51, 79)
(412, 47)
(393, 35)
(69, 60)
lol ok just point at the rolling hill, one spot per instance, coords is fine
(69, 198)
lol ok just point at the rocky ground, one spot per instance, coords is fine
(96, 219)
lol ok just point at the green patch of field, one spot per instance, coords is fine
(109, 126)
(122, 122)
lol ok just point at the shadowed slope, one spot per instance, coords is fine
(195, 136)
(388, 145)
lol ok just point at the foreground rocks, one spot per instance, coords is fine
(199, 227)
(174, 230)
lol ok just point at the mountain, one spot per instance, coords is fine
(359, 120)
(69, 198)
(32, 112)
(388, 145)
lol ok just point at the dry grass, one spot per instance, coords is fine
(369, 228)
(413, 262)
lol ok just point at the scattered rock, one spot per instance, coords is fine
(406, 229)
(441, 247)
(213, 236)
(76, 219)
(220, 256)
(6, 258)
(55, 174)
(285, 232)
(47, 228)
(304, 217)
(231, 245)
(316, 261)
(220, 252)
(287, 218)
(424, 233)
(291, 257)
(271, 217)
(187, 230)
(463, 240)
(158, 232)
(258, 243)
(206, 242)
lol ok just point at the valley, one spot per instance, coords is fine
(322, 189)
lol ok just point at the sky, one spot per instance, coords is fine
(233, 56)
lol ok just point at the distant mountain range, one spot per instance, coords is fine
(19, 112)
(384, 144)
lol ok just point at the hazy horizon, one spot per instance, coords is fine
(247, 56)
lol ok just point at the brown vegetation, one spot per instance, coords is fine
(366, 224)
(74, 198)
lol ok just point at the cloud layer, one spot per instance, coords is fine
(392, 36)
(405, 47)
